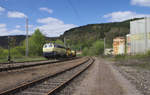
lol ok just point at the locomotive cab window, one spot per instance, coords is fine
(50, 45)
(45, 46)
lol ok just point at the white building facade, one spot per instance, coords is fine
(140, 36)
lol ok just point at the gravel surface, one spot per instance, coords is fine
(17, 77)
(18, 64)
(48, 85)
(71, 87)
(137, 76)
(23, 64)
(100, 79)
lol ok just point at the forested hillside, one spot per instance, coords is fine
(84, 36)
(17, 40)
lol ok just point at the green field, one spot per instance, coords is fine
(139, 60)
(23, 59)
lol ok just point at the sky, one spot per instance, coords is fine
(54, 17)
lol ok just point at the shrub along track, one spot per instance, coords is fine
(14, 66)
(50, 84)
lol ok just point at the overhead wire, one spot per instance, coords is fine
(74, 10)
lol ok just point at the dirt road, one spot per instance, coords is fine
(104, 79)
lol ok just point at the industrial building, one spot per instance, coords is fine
(119, 46)
(128, 44)
(138, 41)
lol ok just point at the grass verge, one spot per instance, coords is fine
(23, 59)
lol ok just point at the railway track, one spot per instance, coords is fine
(14, 66)
(49, 85)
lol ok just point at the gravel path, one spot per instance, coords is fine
(137, 76)
(103, 79)
(17, 77)
(128, 88)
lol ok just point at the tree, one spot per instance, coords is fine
(36, 42)
(97, 48)
(59, 42)
(85, 51)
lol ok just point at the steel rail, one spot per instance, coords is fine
(37, 61)
(42, 79)
(2, 69)
(57, 89)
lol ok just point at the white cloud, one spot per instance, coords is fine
(2, 25)
(123, 15)
(2, 9)
(46, 10)
(3, 30)
(15, 14)
(53, 27)
(18, 26)
(49, 20)
(31, 26)
(16, 32)
(19, 32)
(141, 2)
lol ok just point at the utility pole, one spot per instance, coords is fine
(9, 58)
(146, 34)
(27, 43)
(64, 41)
(104, 44)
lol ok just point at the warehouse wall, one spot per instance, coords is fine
(140, 35)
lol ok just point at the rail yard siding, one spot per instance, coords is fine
(140, 35)
(119, 46)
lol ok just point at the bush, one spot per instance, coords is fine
(148, 53)
(36, 42)
(59, 42)
(97, 48)
(16, 52)
(85, 51)
(3, 53)
(21, 50)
